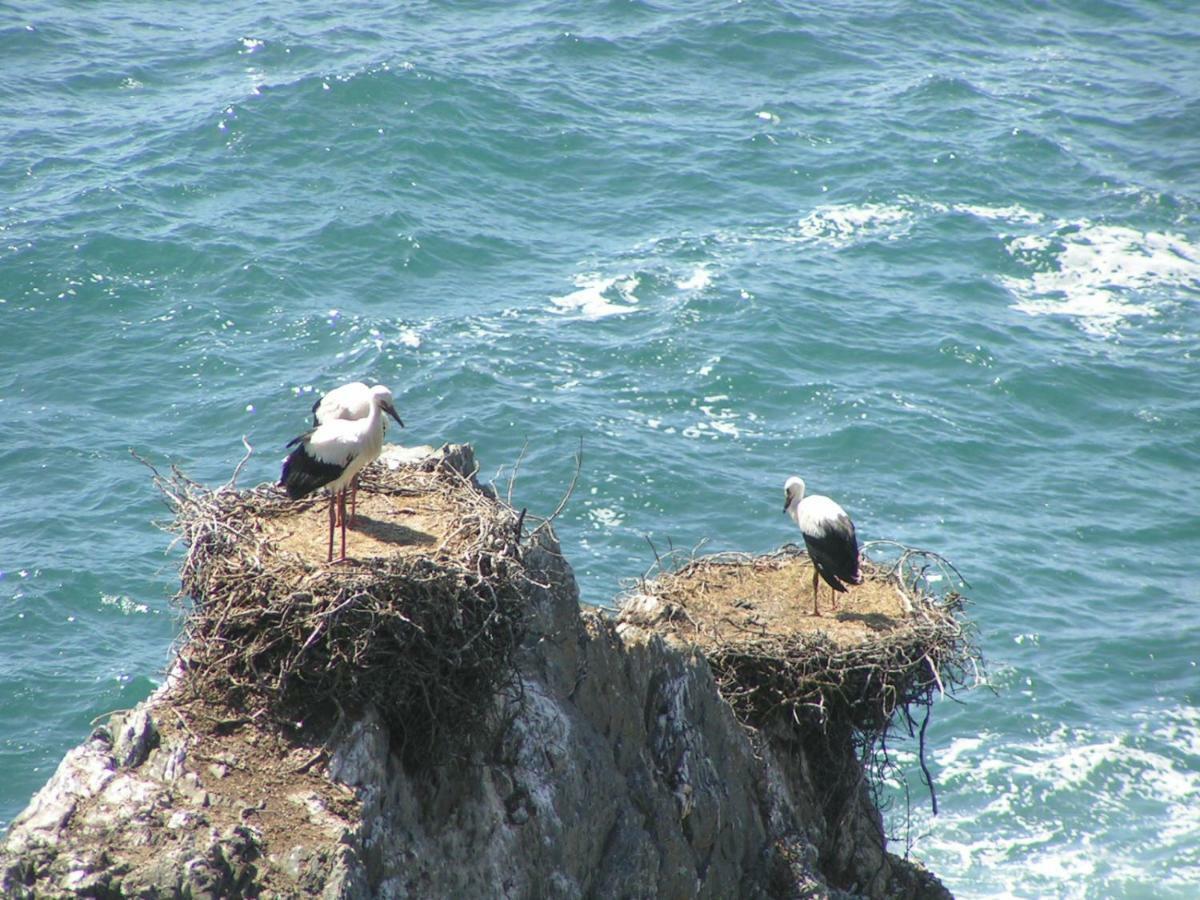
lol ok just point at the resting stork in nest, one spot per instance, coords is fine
(829, 537)
(350, 401)
(332, 454)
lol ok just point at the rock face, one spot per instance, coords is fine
(616, 771)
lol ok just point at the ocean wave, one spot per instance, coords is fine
(1028, 816)
(598, 296)
(595, 296)
(1010, 213)
(834, 225)
(845, 224)
(1100, 275)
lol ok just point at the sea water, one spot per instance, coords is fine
(940, 259)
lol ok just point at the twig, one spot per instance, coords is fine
(231, 485)
(936, 677)
(183, 721)
(654, 550)
(512, 476)
(924, 767)
(570, 488)
(145, 462)
(107, 715)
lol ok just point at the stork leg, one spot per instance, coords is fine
(332, 504)
(343, 508)
(353, 499)
(816, 575)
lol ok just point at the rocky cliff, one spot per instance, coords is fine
(608, 766)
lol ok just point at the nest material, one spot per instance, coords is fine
(831, 685)
(422, 621)
(891, 642)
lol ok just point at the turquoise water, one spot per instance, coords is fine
(943, 261)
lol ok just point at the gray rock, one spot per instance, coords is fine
(135, 735)
(616, 771)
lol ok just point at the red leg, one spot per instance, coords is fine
(332, 502)
(353, 499)
(343, 506)
(816, 583)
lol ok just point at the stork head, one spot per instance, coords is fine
(382, 397)
(793, 492)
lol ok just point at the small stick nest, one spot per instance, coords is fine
(831, 683)
(422, 621)
(890, 644)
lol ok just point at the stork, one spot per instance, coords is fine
(333, 453)
(829, 537)
(350, 401)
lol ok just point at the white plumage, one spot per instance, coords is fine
(828, 536)
(333, 453)
(351, 401)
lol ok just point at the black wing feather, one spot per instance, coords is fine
(835, 554)
(302, 474)
(300, 438)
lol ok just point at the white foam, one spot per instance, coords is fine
(842, 224)
(1012, 818)
(604, 517)
(1101, 275)
(408, 337)
(594, 295)
(697, 281)
(835, 225)
(1012, 213)
(124, 603)
(721, 421)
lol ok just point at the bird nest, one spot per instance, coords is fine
(833, 685)
(891, 642)
(422, 620)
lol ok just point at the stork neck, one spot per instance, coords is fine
(793, 509)
(375, 428)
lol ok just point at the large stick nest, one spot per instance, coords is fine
(892, 641)
(422, 621)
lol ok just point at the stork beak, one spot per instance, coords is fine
(391, 411)
(785, 504)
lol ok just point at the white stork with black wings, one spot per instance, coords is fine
(333, 453)
(351, 401)
(828, 535)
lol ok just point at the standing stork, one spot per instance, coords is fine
(829, 537)
(350, 401)
(333, 453)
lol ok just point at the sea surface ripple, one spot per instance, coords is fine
(941, 259)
